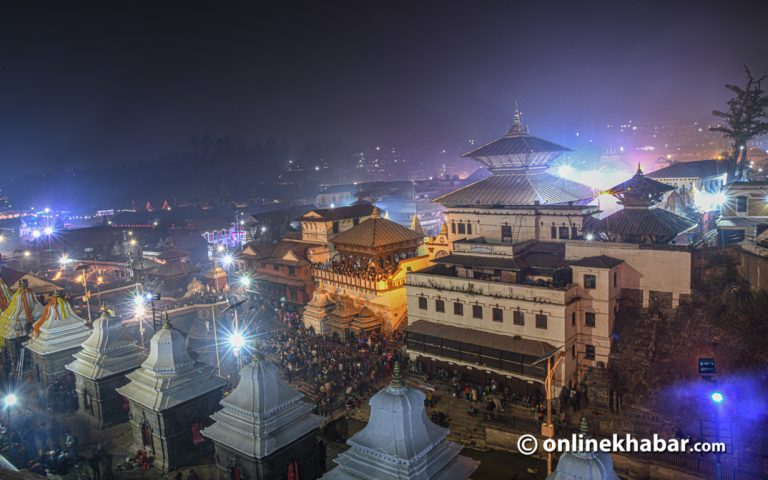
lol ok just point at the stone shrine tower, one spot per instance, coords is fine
(57, 336)
(100, 368)
(584, 465)
(400, 442)
(171, 397)
(265, 429)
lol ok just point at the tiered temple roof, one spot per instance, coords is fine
(263, 414)
(169, 376)
(518, 163)
(107, 351)
(22, 312)
(400, 442)
(640, 221)
(376, 234)
(58, 328)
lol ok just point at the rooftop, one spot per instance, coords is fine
(518, 189)
(338, 213)
(376, 232)
(694, 169)
(599, 261)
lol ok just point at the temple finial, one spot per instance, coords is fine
(397, 377)
(584, 427)
(167, 322)
(416, 225)
(639, 168)
(376, 213)
(517, 127)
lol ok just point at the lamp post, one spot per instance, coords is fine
(83, 269)
(9, 401)
(548, 430)
(717, 398)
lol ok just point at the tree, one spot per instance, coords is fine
(746, 118)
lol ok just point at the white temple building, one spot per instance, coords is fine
(100, 368)
(400, 442)
(171, 397)
(265, 429)
(55, 337)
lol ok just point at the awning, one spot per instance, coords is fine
(506, 343)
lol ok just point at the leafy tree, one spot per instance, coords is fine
(746, 118)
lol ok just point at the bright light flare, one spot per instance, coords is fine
(717, 397)
(227, 259)
(10, 400)
(35, 233)
(237, 341)
(565, 171)
(48, 231)
(707, 201)
(64, 260)
(245, 280)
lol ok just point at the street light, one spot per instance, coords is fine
(245, 281)
(9, 401)
(227, 259)
(717, 397)
(48, 231)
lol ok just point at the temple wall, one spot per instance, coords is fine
(106, 405)
(50, 368)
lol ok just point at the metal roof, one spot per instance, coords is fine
(327, 214)
(639, 186)
(695, 169)
(641, 221)
(480, 261)
(376, 232)
(516, 145)
(515, 189)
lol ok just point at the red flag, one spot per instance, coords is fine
(149, 206)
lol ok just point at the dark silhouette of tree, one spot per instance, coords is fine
(746, 118)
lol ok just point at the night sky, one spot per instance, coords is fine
(104, 83)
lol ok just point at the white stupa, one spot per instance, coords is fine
(55, 337)
(584, 465)
(400, 442)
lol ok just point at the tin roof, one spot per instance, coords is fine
(516, 189)
(376, 232)
(695, 169)
(641, 221)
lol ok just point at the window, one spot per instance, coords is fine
(469, 228)
(573, 351)
(477, 311)
(462, 229)
(589, 354)
(518, 318)
(291, 271)
(440, 306)
(335, 227)
(275, 267)
(355, 220)
(553, 232)
(422, 303)
(458, 308)
(498, 315)
(741, 204)
(564, 232)
(574, 232)
(590, 281)
(589, 319)
(615, 279)
(573, 319)
(453, 228)
(506, 233)
(197, 436)
(541, 321)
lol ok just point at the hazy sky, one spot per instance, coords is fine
(82, 84)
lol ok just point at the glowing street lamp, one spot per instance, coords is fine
(590, 237)
(245, 281)
(717, 397)
(227, 259)
(48, 231)
(220, 248)
(10, 400)
(35, 234)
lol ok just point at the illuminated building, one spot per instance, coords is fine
(100, 368)
(519, 276)
(265, 429)
(744, 212)
(640, 221)
(361, 288)
(171, 397)
(55, 337)
(399, 442)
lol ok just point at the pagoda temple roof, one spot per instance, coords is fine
(22, 312)
(518, 189)
(399, 442)
(169, 376)
(376, 232)
(640, 186)
(694, 169)
(263, 414)
(516, 145)
(58, 329)
(108, 351)
(651, 221)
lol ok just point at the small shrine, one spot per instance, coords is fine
(400, 442)
(216, 279)
(368, 271)
(584, 465)
(265, 430)
(640, 221)
(100, 367)
(55, 337)
(16, 321)
(171, 398)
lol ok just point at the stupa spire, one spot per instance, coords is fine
(397, 377)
